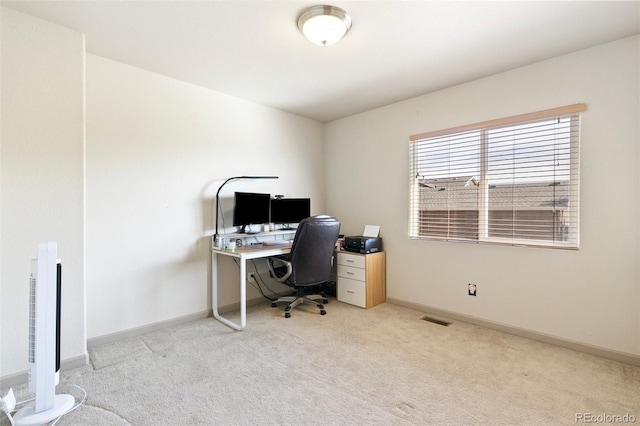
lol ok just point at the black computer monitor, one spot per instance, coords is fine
(290, 210)
(250, 208)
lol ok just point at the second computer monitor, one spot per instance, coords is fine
(290, 210)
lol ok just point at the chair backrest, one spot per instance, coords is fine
(312, 250)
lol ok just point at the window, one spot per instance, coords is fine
(511, 181)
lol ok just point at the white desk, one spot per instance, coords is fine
(243, 254)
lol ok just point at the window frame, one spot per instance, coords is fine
(483, 213)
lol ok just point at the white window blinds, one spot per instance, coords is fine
(513, 180)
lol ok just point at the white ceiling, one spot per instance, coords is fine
(395, 50)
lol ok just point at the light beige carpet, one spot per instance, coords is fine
(382, 366)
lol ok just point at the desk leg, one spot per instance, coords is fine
(243, 294)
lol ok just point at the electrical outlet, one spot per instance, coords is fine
(472, 288)
(252, 278)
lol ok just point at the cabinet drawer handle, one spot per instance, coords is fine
(349, 260)
(351, 291)
(349, 273)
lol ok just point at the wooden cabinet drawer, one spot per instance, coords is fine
(357, 261)
(352, 291)
(351, 272)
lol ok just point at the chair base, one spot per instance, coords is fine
(294, 301)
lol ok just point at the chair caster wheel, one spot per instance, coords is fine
(287, 315)
(325, 301)
(323, 312)
(273, 304)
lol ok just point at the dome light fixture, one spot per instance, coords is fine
(324, 25)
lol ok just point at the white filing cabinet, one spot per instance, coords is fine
(361, 278)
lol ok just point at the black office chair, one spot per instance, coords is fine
(309, 263)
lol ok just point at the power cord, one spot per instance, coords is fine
(257, 285)
(84, 398)
(8, 404)
(259, 278)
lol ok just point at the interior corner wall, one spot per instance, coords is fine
(590, 296)
(41, 169)
(157, 151)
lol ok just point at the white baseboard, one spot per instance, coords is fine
(21, 378)
(624, 357)
(138, 331)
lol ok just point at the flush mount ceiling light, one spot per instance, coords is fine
(324, 25)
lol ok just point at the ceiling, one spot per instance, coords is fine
(395, 50)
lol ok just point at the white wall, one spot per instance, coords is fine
(41, 171)
(591, 295)
(157, 150)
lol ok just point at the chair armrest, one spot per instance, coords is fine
(272, 260)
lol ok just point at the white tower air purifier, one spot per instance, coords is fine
(44, 340)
